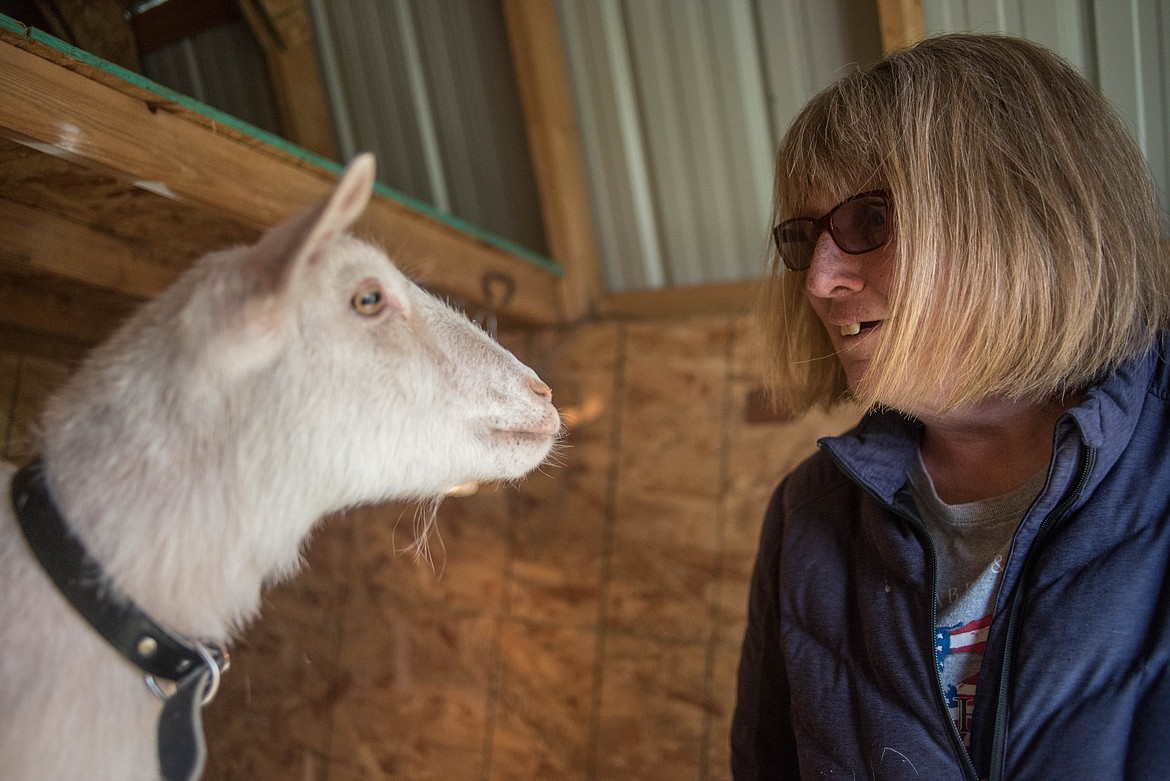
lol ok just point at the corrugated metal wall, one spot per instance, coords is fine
(1122, 46)
(223, 67)
(429, 87)
(680, 104)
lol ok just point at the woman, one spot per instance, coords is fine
(975, 582)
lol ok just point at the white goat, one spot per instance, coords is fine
(193, 452)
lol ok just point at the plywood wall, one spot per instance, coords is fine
(584, 624)
(25, 381)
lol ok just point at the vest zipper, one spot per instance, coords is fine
(999, 737)
(923, 533)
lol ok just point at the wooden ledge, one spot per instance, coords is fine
(179, 155)
(723, 298)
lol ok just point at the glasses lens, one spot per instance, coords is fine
(861, 225)
(796, 240)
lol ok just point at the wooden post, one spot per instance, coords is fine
(903, 23)
(284, 31)
(546, 96)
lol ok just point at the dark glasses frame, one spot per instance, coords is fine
(802, 259)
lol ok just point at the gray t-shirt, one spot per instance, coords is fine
(971, 542)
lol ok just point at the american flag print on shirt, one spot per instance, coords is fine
(958, 653)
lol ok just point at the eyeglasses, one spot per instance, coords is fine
(858, 225)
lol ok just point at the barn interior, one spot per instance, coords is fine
(589, 180)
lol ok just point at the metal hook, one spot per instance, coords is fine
(491, 283)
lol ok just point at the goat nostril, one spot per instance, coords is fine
(540, 389)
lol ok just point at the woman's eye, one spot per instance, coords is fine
(872, 214)
(868, 220)
(369, 301)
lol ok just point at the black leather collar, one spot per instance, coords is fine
(138, 637)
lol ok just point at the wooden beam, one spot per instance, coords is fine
(22, 342)
(201, 157)
(71, 312)
(98, 26)
(284, 31)
(168, 23)
(38, 240)
(172, 233)
(718, 298)
(539, 61)
(903, 23)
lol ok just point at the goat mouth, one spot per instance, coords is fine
(536, 434)
(521, 433)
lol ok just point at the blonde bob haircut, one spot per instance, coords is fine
(1025, 228)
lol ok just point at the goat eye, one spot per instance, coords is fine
(368, 301)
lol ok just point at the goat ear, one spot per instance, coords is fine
(269, 272)
(287, 250)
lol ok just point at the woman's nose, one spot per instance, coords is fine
(833, 273)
